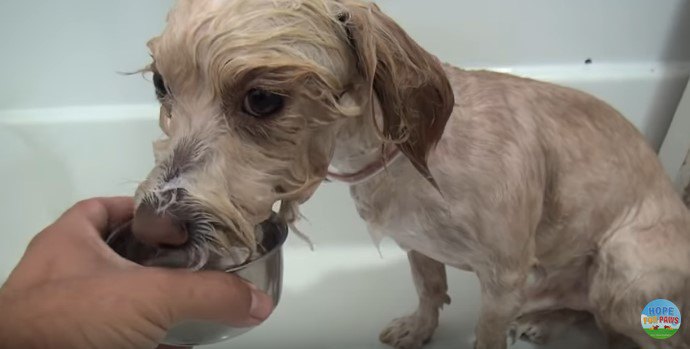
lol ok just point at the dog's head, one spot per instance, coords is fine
(252, 94)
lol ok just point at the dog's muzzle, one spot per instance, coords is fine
(164, 220)
(158, 229)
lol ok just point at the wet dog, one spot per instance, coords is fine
(547, 194)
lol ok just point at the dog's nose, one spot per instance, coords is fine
(157, 230)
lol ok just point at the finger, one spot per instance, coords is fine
(103, 213)
(212, 296)
(98, 215)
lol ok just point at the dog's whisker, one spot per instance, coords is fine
(166, 206)
(129, 182)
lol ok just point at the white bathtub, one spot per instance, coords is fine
(74, 130)
(338, 296)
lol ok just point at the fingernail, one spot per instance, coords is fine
(262, 305)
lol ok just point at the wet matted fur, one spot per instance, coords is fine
(503, 176)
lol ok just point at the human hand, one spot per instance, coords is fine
(70, 290)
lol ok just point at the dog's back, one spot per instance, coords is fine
(606, 197)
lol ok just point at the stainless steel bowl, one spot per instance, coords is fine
(265, 272)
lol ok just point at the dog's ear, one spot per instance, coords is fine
(414, 93)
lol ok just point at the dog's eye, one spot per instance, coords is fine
(261, 103)
(159, 84)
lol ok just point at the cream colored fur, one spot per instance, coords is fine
(503, 176)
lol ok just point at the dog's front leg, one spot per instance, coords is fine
(501, 298)
(413, 331)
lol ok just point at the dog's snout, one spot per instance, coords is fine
(157, 230)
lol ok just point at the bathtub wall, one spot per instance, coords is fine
(66, 53)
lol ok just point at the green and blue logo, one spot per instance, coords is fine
(660, 319)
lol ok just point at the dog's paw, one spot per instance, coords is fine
(540, 327)
(409, 332)
(530, 332)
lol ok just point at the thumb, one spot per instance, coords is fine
(213, 296)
